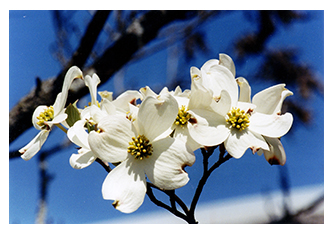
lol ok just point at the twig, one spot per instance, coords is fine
(172, 209)
(205, 176)
(105, 166)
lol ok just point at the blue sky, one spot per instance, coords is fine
(75, 195)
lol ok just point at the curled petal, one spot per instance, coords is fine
(223, 106)
(285, 93)
(244, 90)
(207, 65)
(82, 159)
(165, 168)
(128, 97)
(146, 91)
(195, 73)
(78, 135)
(57, 119)
(36, 113)
(126, 185)
(276, 154)
(92, 83)
(222, 79)
(207, 128)
(227, 62)
(269, 101)
(72, 73)
(273, 126)
(106, 95)
(34, 145)
(239, 141)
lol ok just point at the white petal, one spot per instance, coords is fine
(97, 114)
(112, 142)
(207, 128)
(92, 83)
(207, 65)
(126, 98)
(34, 145)
(201, 98)
(57, 119)
(146, 91)
(106, 95)
(38, 110)
(165, 167)
(244, 90)
(247, 107)
(179, 93)
(271, 125)
(108, 107)
(285, 94)
(183, 134)
(270, 100)
(78, 135)
(72, 73)
(222, 79)
(156, 115)
(223, 106)
(227, 62)
(239, 141)
(195, 73)
(82, 159)
(126, 185)
(276, 154)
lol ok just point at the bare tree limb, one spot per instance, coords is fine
(46, 91)
(138, 34)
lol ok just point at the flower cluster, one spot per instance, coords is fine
(150, 136)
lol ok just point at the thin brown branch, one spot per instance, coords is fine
(171, 209)
(205, 176)
(104, 165)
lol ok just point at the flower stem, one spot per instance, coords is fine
(206, 175)
(61, 127)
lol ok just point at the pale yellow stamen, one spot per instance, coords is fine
(140, 147)
(238, 119)
(45, 116)
(183, 117)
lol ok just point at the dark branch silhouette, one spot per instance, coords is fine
(138, 34)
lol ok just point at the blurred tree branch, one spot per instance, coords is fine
(280, 64)
(140, 32)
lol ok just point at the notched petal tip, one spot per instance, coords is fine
(115, 204)
(275, 161)
(254, 149)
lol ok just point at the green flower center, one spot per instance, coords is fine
(140, 147)
(183, 116)
(238, 119)
(45, 116)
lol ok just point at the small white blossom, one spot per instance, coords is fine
(45, 117)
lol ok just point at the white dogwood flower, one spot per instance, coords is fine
(44, 117)
(245, 124)
(144, 148)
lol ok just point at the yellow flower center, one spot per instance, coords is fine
(140, 147)
(45, 116)
(183, 117)
(238, 119)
